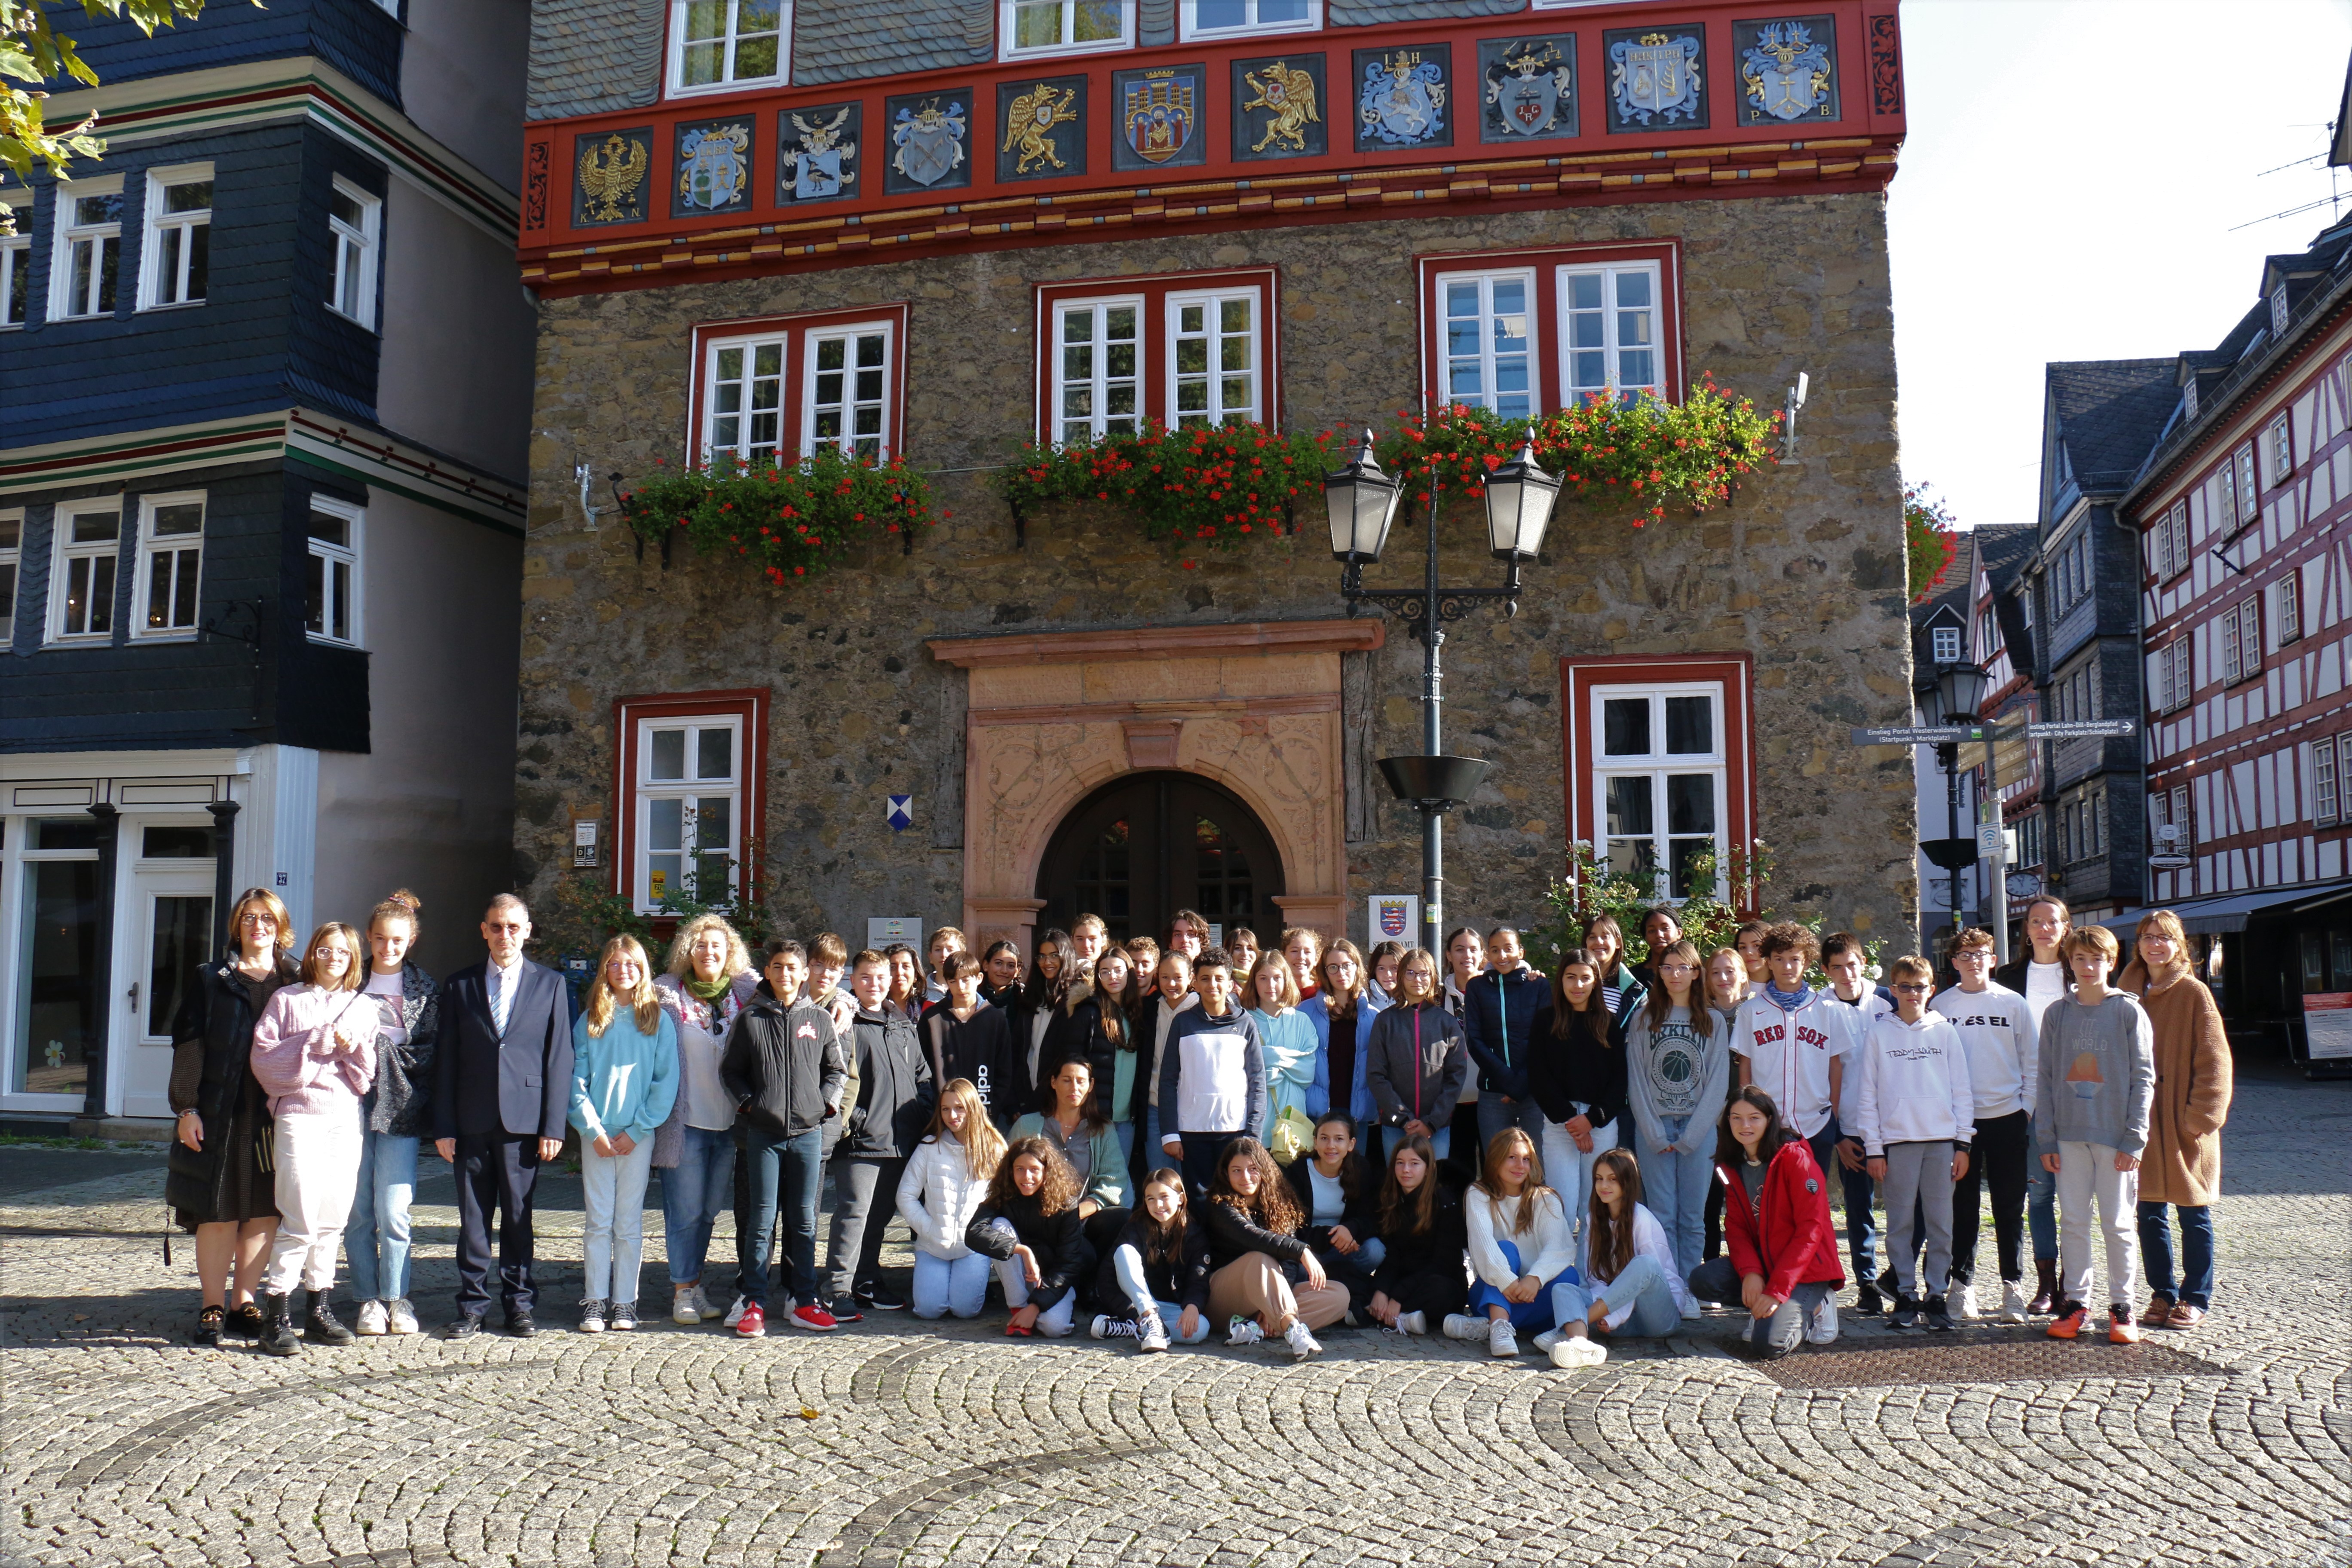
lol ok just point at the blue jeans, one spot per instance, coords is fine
(376, 1239)
(775, 1169)
(1534, 1315)
(695, 1192)
(2041, 1207)
(1441, 1143)
(2196, 1286)
(1675, 1186)
(1861, 1223)
(1126, 1263)
(1495, 1112)
(1126, 1131)
(1053, 1322)
(612, 1233)
(944, 1285)
(1641, 1282)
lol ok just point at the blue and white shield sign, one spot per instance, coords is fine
(1402, 100)
(1787, 73)
(900, 813)
(930, 141)
(711, 167)
(1655, 75)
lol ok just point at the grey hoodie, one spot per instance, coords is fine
(2098, 1075)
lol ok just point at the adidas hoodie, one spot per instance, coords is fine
(2004, 1046)
(1914, 1084)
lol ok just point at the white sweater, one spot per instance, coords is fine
(938, 1195)
(2004, 1046)
(1915, 1086)
(1544, 1249)
(1650, 1241)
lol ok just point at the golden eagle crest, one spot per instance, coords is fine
(1288, 96)
(1029, 125)
(611, 182)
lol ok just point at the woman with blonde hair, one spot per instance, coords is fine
(624, 1076)
(398, 1106)
(711, 978)
(220, 1183)
(1297, 1090)
(2182, 1166)
(314, 1054)
(944, 1183)
(1521, 1245)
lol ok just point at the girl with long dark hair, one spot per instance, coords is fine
(1423, 1230)
(1627, 1281)
(1160, 1267)
(1263, 1279)
(1577, 1074)
(1782, 1264)
(1030, 1224)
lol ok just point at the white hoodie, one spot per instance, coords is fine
(938, 1195)
(2004, 1046)
(1650, 1238)
(1914, 1084)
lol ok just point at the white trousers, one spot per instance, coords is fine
(2087, 1172)
(1567, 1170)
(318, 1155)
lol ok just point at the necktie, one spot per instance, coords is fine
(501, 999)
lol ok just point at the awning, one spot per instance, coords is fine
(2201, 917)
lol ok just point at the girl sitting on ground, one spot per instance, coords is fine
(1159, 1268)
(1423, 1230)
(1628, 1279)
(1030, 1224)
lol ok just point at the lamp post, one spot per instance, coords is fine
(1954, 697)
(1361, 500)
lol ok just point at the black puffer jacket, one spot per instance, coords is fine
(211, 1075)
(1234, 1234)
(400, 1101)
(1058, 1241)
(784, 1068)
(894, 1093)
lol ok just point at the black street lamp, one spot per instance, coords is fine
(1362, 501)
(1953, 698)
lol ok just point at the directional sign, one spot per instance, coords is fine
(1916, 734)
(2061, 730)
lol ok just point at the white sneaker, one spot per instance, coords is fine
(1242, 1332)
(400, 1317)
(1692, 1312)
(1578, 1351)
(1821, 1328)
(702, 1305)
(1502, 1340)
(1154, 1336)
(1960, 1303)
(1545, 1340)
(734, 1313)
(1413, 1322)
(591, 1317)
(2012, 1301)
(1301, 1342)
(373, 1319)
(682, 1306)
(1460, 1326)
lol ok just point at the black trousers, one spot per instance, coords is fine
(495, 1170)
(1997, 1158)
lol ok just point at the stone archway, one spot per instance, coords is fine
(1052, 716)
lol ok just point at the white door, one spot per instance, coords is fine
(172, 909)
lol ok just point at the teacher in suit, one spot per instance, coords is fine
(503, 1084)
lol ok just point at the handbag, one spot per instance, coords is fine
(1292, 1134)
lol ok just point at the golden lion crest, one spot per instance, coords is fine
(1029, 125)
(1289, 97)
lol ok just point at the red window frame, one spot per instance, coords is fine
(796, 328)
(1546, 262)
(747, 704)
(1580, 748)
(1153, 375)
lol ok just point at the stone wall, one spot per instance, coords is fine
(1804, 570)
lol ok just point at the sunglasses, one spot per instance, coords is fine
(1910, 987)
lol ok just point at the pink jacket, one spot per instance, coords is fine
(294, 1055)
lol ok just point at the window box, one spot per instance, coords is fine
(1182, 349)
(171, 565)
(1031, 29)
(690, 779)
(175, 260)
(772, 390)
(1658, 764)
(1527, 332)
(725, 46)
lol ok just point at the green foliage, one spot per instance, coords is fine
(1929, 544)
(788, 521)
(581, 916)
(1217, 486)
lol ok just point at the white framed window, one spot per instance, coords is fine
(2278, 310)
(1098, 368)
(1030, 27)
(1488, 331)
(1947, 641)
(11, 549)
(2280, 440)
(2241, 641)
(2290, 607)
(1659, 782)
(355, 221)
(1227, 18)
(170, 563)
(688, 808)
(175, 260)
(89, 248)
(746, 398)
(2167, 544)
(2325, 802)
(719, 45)
(330, 590)
(845, 397)
(2249, 494)
(1609, 331)
(88, 545)
(1213, 357)
(2171, 679)
(16, 259)
(775, 390)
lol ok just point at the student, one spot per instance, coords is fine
(1384, 962)
(906, 994)
(219, 1182)
(1726, 987)
(999, 985)
(939, 1191)
(1626, 1281)
(710, 980)
(1660, 930)
(1918, 1110)
(1160, 1267)
(2091, 1116)
(1337, 1194)
(1498, 1007)
(1089, 938)
(1174, 994)
(785, 1069)
(1781, 1261)
(1097, 1026)
(1075, 1128)
(1842, 957)
(314, 1054)
(624, 1081)
(1263, 1279)
(1604, 939)
(1465, 959)
(1578, 1076)
(1295, 1084)
(1749, 941)
(501, 1088)
(967, 1038)
(1212, 1075)
(1790, 1044)
(1144, 954)
(1416, 1062)
(1521, 1245)
(1242, 947)
(895, 1092)
(2182, 1163)
(2004, 1069)
(1188, 933)
(827, 986)
(2039, 975)
(397, 1109)
(1677, 1076)
(1342, 1011)
(945, 940)
(1030, 1226)
(1424, 1235)
(1041, 1004)
(1303, 950)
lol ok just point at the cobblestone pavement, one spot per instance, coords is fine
(896, 1443)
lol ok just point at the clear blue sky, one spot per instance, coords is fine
(2071, 188)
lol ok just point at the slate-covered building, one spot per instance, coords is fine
(1044, 219)
(264, 392)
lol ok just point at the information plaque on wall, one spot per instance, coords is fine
(1392, 917)
(887, 930)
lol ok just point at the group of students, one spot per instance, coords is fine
(1175, 1139)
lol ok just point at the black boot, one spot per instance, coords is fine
(320, 1325)
(277, 1336)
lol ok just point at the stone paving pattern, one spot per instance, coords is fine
(903, 1444)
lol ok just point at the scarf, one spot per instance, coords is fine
(1788, 1002)
(708, 990)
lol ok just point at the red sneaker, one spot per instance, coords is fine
(752, 1324)
(1016, 1331)
(2121, 1330)
(812, 1317)
(2069, 1321)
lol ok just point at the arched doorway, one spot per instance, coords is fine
(1149, 844)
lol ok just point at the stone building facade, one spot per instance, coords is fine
(1003, 679)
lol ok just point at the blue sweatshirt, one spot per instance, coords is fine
(623, 1080)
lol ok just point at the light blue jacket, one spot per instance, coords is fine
(1359, 1103)
(623, 1080)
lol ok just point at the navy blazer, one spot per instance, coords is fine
(522, 1084)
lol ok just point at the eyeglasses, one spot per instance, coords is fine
(1909, 987)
